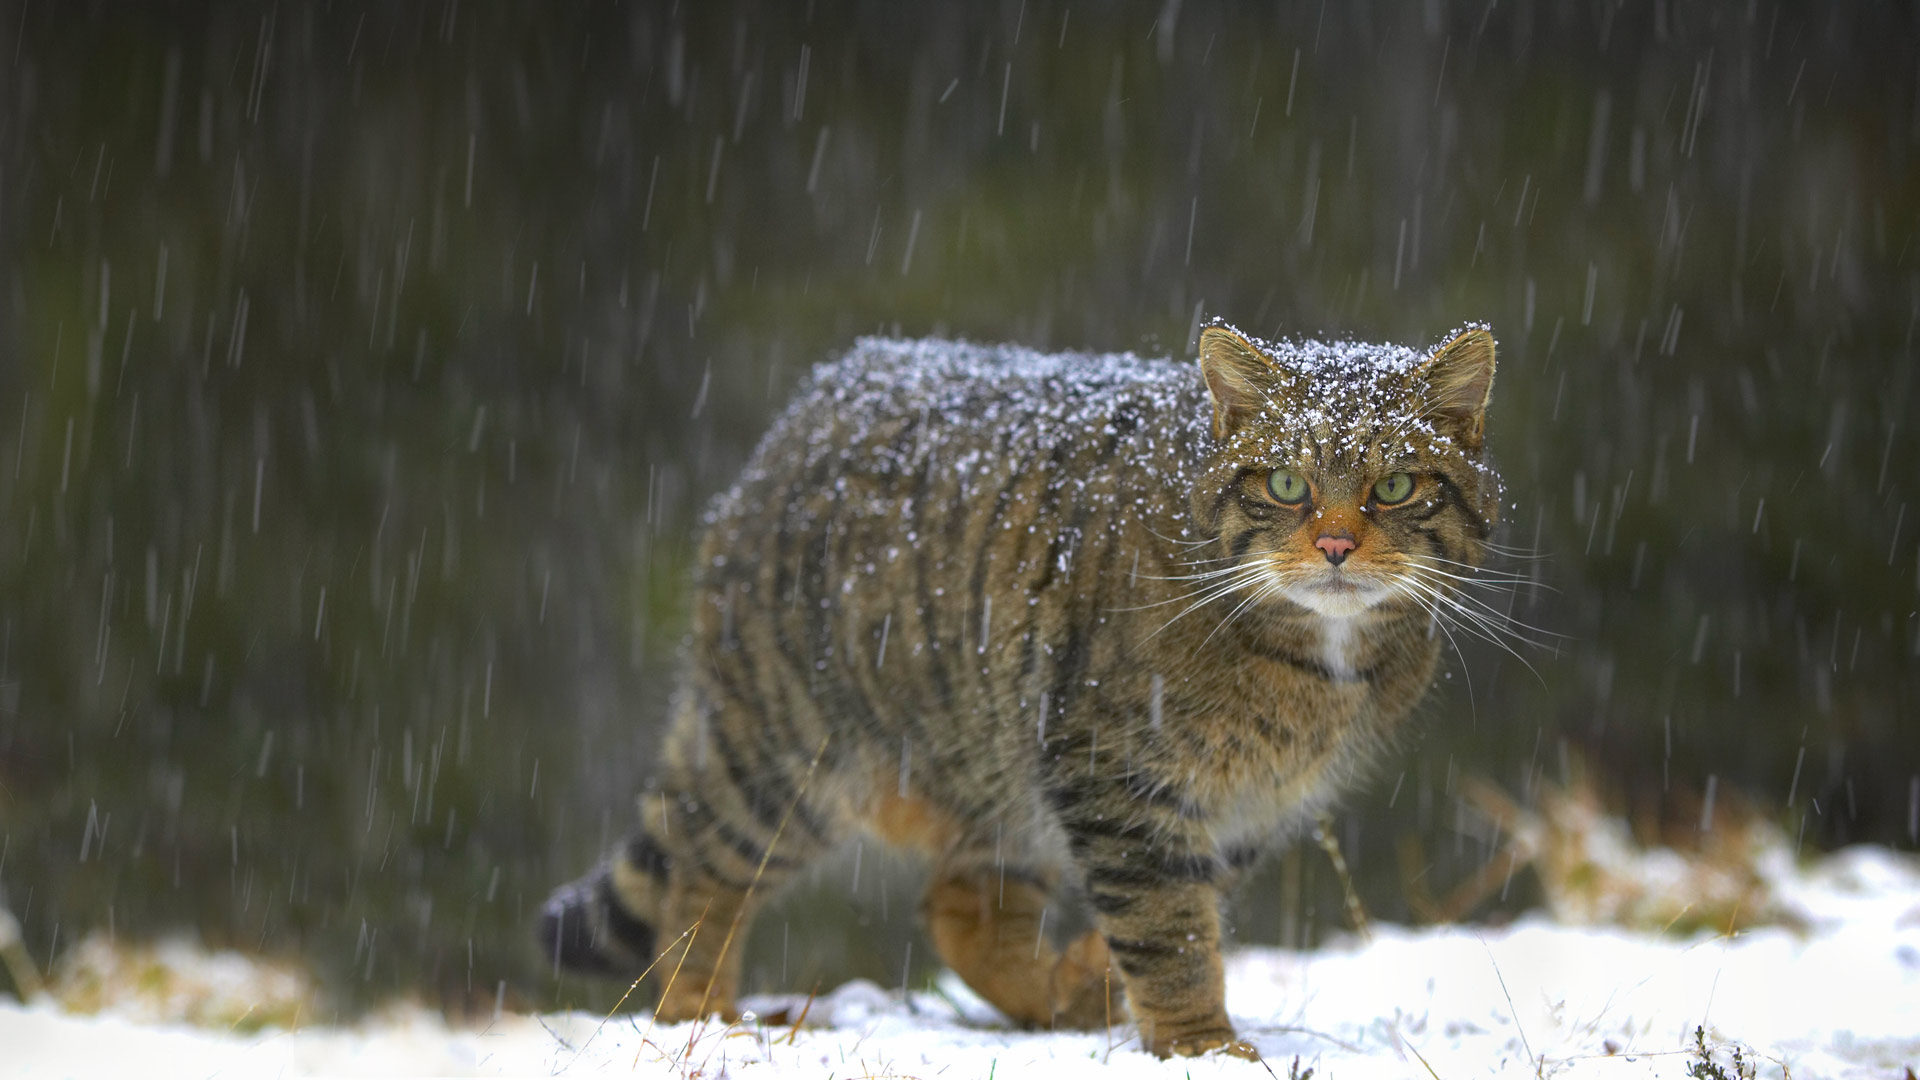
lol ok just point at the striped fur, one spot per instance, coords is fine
(1041, 618)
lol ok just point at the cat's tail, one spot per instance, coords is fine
(603, 923)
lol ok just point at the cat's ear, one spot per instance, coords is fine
(1239, 377)
(1456, 381)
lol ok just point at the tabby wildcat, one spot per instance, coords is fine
(1053, 620)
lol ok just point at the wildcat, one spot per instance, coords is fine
(1057, 621)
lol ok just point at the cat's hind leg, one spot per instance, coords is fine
(988, 923)
(743, 820)
(730, 823)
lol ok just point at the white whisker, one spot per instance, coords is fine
(1488, 609)
(1202, 576)
(1204, 596)
(1500, 584)
(1185, 543)
(1474, 579)
(1203, 562)
(1216, 587)
(1254, 573)
(1511, 552)
(1481, 626)
(1451, 562)
(1441, 624)
(1242, 606)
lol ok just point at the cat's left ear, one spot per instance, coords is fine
(1457, 381)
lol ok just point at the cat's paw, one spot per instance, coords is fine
(1086, 991)
(691, 1000)
(1196, 1043)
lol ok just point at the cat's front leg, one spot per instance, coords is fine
(1159, 909)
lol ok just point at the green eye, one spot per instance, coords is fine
(1287, 486)
(1394, 488)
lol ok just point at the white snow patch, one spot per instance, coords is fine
(1840, 998)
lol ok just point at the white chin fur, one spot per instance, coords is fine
(1336, 603)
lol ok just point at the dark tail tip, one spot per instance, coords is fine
(584, 929)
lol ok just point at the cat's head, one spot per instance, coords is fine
(1347, 475)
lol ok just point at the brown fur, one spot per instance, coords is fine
(958, 610)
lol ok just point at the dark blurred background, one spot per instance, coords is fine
(364, 368)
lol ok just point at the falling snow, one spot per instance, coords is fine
(365, 372)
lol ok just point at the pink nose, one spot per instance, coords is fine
(1336, 547)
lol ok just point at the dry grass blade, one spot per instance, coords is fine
(1423, 1061)
(1323, 835)
(1490, 878)
(1511, 1011)
(1107, 975)
(691, 934)
(794, 1033)
(13, 950)
(1508, 817)
(1413, 880)
(631, 987)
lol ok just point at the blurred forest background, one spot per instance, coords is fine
(364, 369)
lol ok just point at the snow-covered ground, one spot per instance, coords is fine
(1836, 996)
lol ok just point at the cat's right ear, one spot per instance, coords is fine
(1459, 380)
(1239, 378)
